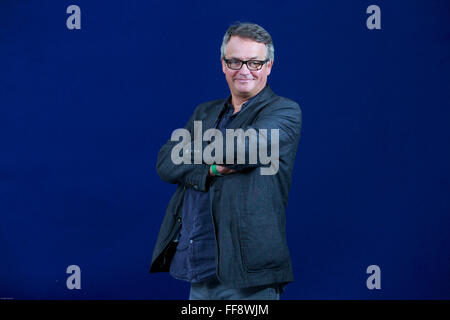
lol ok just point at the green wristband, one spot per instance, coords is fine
(214, 171)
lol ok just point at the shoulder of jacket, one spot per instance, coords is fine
(283, 103)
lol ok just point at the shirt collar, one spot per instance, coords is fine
(229, 105)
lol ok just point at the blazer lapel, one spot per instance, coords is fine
(212, 117)
(253, 107)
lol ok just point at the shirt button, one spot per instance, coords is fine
(191, 241)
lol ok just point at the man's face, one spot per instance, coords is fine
(244, 82)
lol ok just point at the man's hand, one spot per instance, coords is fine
(221, 170)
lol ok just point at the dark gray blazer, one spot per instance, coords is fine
(248, 208)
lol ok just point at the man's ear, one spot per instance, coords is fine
(269, 66)
(223, 66)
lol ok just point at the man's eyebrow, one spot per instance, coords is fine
(252, 58)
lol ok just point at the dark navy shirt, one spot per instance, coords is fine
(195, 257)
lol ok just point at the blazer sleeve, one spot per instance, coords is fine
(189, 175)
(286, 116)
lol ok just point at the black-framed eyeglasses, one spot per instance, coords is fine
(253, 65)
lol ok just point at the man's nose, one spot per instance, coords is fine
(244, 69)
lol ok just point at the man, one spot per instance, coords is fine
(224, 228)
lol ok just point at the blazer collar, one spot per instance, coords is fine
(264, 94)
(254, 103)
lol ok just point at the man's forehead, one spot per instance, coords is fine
(244, 42)
(244, 57)
(245, 49)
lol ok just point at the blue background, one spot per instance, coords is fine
(83, 114)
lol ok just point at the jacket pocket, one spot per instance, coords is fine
(262, 241)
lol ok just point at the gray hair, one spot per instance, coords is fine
(251, 31)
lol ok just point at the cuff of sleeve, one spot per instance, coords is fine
(198, 178)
